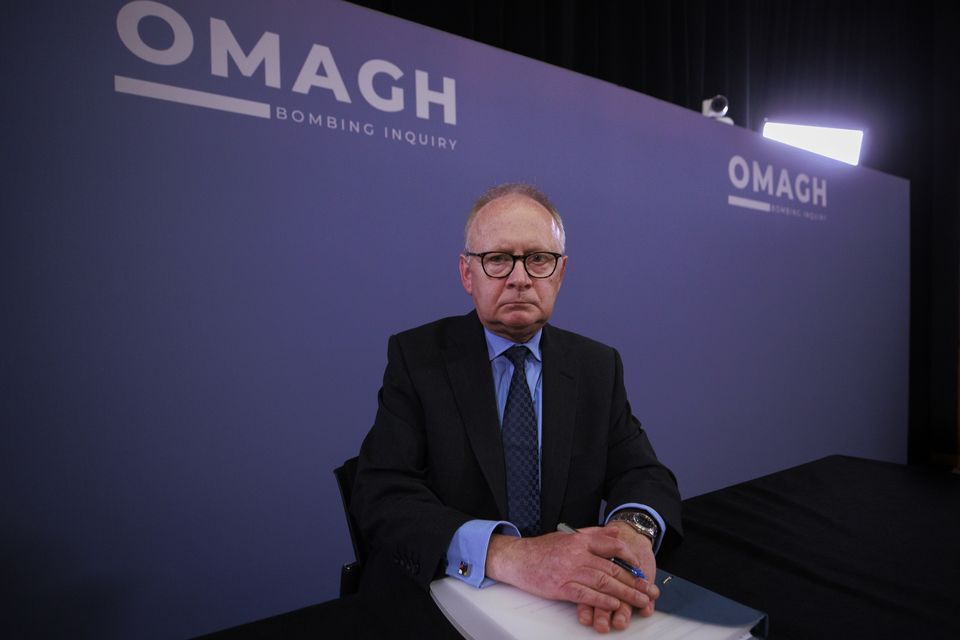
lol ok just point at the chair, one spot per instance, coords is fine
(350, 573)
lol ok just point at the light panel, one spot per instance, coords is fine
(840, 144)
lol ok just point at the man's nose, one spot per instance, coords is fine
(519, 276)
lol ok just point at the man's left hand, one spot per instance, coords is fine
(603, 620)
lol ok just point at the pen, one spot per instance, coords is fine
(637, 572)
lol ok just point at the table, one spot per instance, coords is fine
(837, 548)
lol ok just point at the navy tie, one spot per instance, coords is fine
(520, 450)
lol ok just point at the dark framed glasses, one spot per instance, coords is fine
(498, 264)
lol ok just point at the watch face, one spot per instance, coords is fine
(645, 521)
(641, 521)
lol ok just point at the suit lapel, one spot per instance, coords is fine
(468, 366)
(559, 418)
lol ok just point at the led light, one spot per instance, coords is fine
(840, 144)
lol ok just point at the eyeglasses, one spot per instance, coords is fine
(497, 264)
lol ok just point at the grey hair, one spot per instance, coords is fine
(520, 189)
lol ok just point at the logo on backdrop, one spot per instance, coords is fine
(376, 82)
(763, 187)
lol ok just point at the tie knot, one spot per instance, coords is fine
(517, 355)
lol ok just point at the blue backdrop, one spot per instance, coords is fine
(215, 213)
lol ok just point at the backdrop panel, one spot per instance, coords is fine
(215, 214)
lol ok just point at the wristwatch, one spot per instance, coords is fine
(640, 521)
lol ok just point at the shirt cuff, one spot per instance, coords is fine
(653, 514)
(467, 552)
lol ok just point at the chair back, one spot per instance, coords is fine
(350, 572)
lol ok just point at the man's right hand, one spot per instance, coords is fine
(574, 567)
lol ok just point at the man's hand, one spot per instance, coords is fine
(574, 567)
(602, 619)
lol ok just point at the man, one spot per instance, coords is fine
(464, 454)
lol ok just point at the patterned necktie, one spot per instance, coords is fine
(520, 449)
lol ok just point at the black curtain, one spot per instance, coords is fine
(889, 68)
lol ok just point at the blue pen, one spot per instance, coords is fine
(637, 572)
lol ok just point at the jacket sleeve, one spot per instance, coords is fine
(401, 518)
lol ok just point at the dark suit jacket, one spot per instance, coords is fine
(434, 459)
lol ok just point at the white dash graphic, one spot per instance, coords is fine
(192, 97)
(747, 203)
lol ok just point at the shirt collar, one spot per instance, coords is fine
(496, 345)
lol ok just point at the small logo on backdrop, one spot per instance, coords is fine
(765, 188)
(379, 83)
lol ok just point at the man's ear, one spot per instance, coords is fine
(562, 269)
(466, 276)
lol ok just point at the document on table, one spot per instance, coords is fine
(684, 611)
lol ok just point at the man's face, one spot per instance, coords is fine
(517, 306)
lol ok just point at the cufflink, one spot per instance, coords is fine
(464, 569)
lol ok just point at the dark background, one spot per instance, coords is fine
(887, 68)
